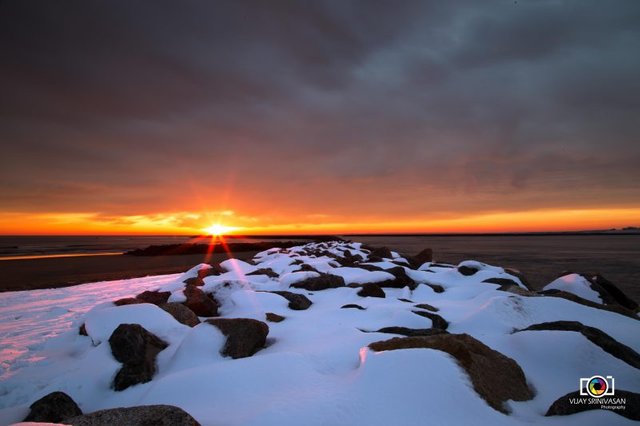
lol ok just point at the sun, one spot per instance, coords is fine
(218, 229)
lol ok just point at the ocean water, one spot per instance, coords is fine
(541, 258)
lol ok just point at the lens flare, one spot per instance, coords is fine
(218, 229)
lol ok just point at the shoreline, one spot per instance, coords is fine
(35, 274)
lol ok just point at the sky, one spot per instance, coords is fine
(318, 116)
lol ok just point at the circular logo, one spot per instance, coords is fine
(597, 386)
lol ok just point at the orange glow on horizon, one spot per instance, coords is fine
(190, 223)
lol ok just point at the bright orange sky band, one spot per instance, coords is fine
(190, 223)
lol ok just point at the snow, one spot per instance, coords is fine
(576, 284)
(316, 368)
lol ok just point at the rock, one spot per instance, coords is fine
(371, 268)
(467, 270)
(297, 302)
(495, 377)
(245, 336)
(181, 313)
(371, 290)
(610, 293)
(401, 279)
(577, 299)
(421, 258)
(147, 415)
(563, 407)
(53, 408)
(427, 307)
(405, 300)
(196, 281)
(202, 304)
(127, 301)
(380, 252)
(323, 282)
(307, 268)
(264, 271)
(436, 287)
(83, 330)
(596, 336)
(154, 297)
(271, 317)
(136, 349)
(518, 275)
(215, 269)
(352, 306)
(502, 282)
(411, 331)
(436, 320)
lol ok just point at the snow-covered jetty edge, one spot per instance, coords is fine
(331, 333)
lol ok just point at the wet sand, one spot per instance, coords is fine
(30, 274)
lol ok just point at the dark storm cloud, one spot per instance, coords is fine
(133, 107)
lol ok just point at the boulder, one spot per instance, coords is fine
(436, 320)
(577, 299)
(215, 269)
(265, 271)
(323, 282)
(154, 297)
(136, 349)
(427, 307)
(467, 270)
(181, 313)
(495, 377)
(245, 336)
(352, 306)
(196, 281)
(563, 407)
(297, 302)
(502, 282)
(401, 279)
(411, 331)
(147, 415)
(595, 336)
(127, 301)
(610, 293)
(516, 273)
(53, 408)
(201, 303)
(421, 258)
(271, 317)
(371, 290)
(436, 287)
(380, 252)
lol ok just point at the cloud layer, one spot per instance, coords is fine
(340, 109)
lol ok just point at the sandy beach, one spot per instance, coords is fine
(31, 274)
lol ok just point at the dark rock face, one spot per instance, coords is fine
(577, 299)
(371, 290)
(265, 271)
(596, 336)
(147, 415)
(467, 270)
(53, 408)
(307, 268)
(370, 267)
(202, 304)
(352, 306)
(215, 269)
(563, 407)
(136, 349)
(380, 252)
(502, 282)
(436, 320)
(271, 317)
(419, 259)
(401, 279)
(520, 276)
(611, 295)
(495, 377)
(154, 297)
(127, 301)
(427, 307)
(196, 281)
(436, 287)
(404, 331)
(181, 313)
(297, 302)
(245, 336)
(323, 282)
